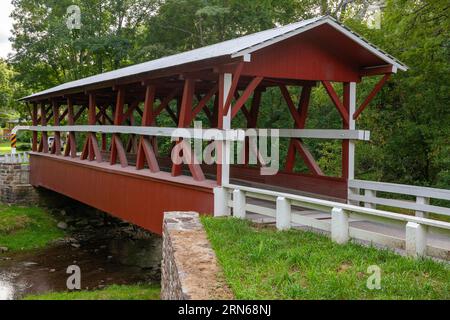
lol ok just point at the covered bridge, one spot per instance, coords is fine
(114, 119)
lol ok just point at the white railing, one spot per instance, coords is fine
(421, 206)
(288, 209)
(11, 158)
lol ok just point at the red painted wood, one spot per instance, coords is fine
(234, 85)
(322, 53)
(300, 122)
(307, 156)
(35, 123)
(337, 102)
(117, 149)
(43, 146)
(71, 145)
(245, 96)
(202, 104)
(136, 196)
(372, 95)
(184, 116)
(56, 147)
(147, 154)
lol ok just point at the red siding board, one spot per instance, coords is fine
(134, 198)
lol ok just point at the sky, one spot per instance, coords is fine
(5, 27)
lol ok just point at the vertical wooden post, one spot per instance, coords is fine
(339, 226)
(146, 151)
(348, 147)
(35, 123)
(224, 122)
(103, 121)
(184, 118)
(283, 213)
(300, 122)
(239, 204)
(44, 136)
(91, 150)
(71, 145)
(56, 147)
(117, 149)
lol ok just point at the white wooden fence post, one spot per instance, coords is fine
(422, 200)
(239, 203)
(416, 239)
(339, 226)
(221, 208)
(370, 194)
(283, 214)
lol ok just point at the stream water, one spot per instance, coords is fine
(106, 250)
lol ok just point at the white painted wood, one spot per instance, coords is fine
(265, 211)
(416, 239)
(370, 194)
(239, 204)
(320, 134)
(376, 238)
(221, 208)
(339, 226)
(402, 204)
(283, 214)
(401, 189)
(226, 125)
(422, 200)
(219, 135)
(324, 225)
(233, 135)
(352, 126)
(324, 205)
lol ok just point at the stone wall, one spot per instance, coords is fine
(190, 270)
(15, 187)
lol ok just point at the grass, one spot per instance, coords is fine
(114, 292)
(5, 147)
(260, 263)
(24, 228)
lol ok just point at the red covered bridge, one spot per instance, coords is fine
(120, 168)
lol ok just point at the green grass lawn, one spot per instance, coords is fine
(23, 228)
(5, 146)
(115, 292)
(261, 263)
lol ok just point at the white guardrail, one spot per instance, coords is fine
(286, 209)
(15, 158)
(421, 206)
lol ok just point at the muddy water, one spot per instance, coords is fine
(107, 253)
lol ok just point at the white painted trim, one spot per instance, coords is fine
(401, 204)
(401, 189)
(233, 134)
(226, 148)
(320, 134)
(219, 135)
(325, 205)
(239, 202)
(366, 45)
(352, 126)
